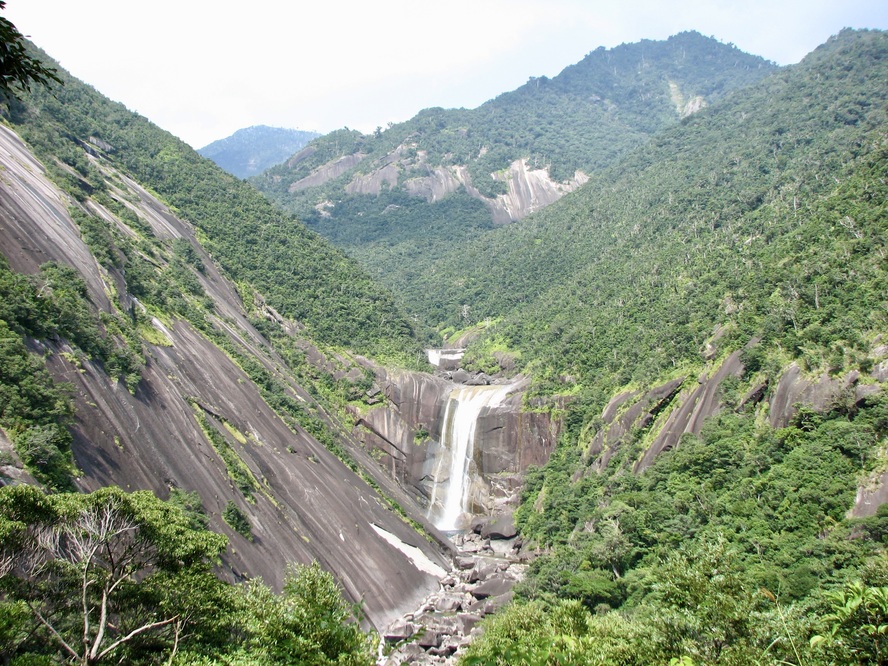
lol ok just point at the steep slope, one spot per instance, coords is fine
(408, 193)
(173, 386)
(743, 217)
(714, 309)
(252, 150)
(300, 274)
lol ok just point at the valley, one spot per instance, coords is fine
(655, 426)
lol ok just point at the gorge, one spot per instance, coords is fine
(667, 386)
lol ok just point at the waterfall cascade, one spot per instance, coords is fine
(440, 357)
(450, 492)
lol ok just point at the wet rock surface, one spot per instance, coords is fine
(480, 583)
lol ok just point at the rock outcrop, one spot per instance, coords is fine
(666, 412)
(326, 172)
(405, 434)
(529, 191)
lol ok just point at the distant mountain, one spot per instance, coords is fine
(713, 223)
(252, 150)
(446, 176)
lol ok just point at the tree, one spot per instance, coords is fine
(705, 609)
(98, 572)
(857, 625)
(17, 68)
(308, 624)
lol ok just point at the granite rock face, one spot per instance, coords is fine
(306, 504)
(680, 406)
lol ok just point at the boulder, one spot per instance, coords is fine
(501, 528)
(490, 605)
(464, 563)
(407, 654)
(399, 630)
(503, 547)
(449, 581)
(493, 587)
(460, 376)
(448, 603)
(469, 622)
(478, 524)
(429, 639)
(447, 648)
(482, 571)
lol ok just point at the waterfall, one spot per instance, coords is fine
(450, 492)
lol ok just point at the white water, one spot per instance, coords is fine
(436, 356)
(450, 493)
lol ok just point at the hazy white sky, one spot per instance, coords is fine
(205, 68)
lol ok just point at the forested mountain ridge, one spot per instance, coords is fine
(401, 196)
(253, 241)
(690, 232)
(252, 150)
(733, 268)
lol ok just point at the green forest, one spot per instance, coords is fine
(254, 242)
(124, 577)
(740, 224)
(755, 226)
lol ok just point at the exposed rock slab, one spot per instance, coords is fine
(508, 439)
(696, 406)
(306, 505)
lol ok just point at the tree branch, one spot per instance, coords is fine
(53, 631)
(134, 633)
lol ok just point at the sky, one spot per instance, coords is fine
(203, 69)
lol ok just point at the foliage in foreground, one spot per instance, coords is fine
(19, 70)
(111, 577)
(699, 612)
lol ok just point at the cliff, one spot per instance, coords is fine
(196, 421)
(406, 433)
(661, 415)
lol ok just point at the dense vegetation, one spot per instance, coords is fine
(722, 551)
(19, 69)
(252, 150)
(763, 218)
(585, 119)
(112, 577)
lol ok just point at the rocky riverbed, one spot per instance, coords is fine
(490, 562)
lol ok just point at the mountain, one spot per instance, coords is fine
(712, 306)
(252, 150)
(687, 425)
(675, 232)
(398, 198)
